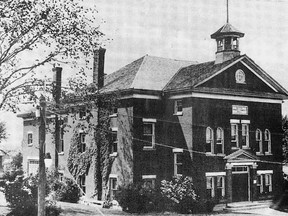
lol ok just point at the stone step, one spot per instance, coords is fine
(247, 205)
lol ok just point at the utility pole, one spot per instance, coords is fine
(42, 171)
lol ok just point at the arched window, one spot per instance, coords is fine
(267, 142)
(259, 144)
(220, 140)
(209, 140)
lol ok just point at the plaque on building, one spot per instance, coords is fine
(239, 110)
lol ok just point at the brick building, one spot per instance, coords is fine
(217, 121)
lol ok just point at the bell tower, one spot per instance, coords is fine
(227, 39)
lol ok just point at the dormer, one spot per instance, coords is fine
(227, 39)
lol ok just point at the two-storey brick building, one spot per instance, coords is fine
(217, 121)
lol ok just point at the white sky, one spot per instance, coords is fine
(181, 29)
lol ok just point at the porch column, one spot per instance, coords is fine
(254, 182)
(229, 182)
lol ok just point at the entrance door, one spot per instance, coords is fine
(240, 187)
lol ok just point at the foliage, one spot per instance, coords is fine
(45, 31)
(140, 198)
(180, 194)
(14, 169)
(21, 195)
(285, 138)
(66, 190)
(3, 133)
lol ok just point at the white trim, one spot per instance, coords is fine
(258, 76)
(142, 96)
(149, 120)
(61, 171)
(234, 121)
(220, 71)
(210, 174)
(226, 97)
(243, 164)
(113, 176)
(259, 172)
(245, 121)
(177, 150)
(148, 176)
(32, 157)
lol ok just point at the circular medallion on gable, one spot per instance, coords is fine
(240, 76)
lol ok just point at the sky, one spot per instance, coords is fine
(181, 29)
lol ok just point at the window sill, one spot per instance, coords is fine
(268, 153)
(178, 114)
(113, 115)
(259, 153)
(235, 148)
(114, 154)
(61, 153)
(209, 154)
(246, 147)
(221, 154)
(30, 145)
(148, 148)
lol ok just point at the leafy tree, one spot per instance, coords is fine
(44, 30)
(3, 134)
(285, 138)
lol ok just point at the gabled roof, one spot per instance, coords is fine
(227, 29)
(193, 76)
(147, 73)
(241, 155)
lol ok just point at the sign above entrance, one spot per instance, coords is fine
(239, 110)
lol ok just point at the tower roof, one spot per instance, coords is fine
(227, 30)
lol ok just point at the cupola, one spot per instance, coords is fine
(227, 39)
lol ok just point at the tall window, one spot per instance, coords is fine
(234, 135)
(210, 185)
(114, 146)
(178, 107)
(220, 140)
(221, 186)
(82, 182)
(209, 140)
(268, 182)
(112, 187)
(149, 135)
(267, 142)
(245, 135)
(260, 183)
(82, 147)
(178, 161)
(30, 138)
(259, 144)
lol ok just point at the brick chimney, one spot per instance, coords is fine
(98, 67)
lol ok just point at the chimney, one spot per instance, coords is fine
(57, 77)
(98, 67)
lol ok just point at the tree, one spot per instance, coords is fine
(285, 138)
(44, 30)
(3, 134)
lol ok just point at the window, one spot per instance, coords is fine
(114, 145)
(178, 107)
(221, 186)
(210, 186)
(178, 161)
(260, 184)
(112, 187)
(259, 145)
(240, 76)
(82, 182)
(61, 144)
(268, 182)
(149, 135)
(220, 140)
(30, 138)
(149, 181)
(209, 140)
(245, 135)
(267, 142)
(219, 45)
(82, 113)
(234, 135)
(82, 147)
(114, 112)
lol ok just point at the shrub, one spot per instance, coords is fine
(137, 198)
(66, 190)
(180, 194)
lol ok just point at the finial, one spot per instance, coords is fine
(227, 11)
